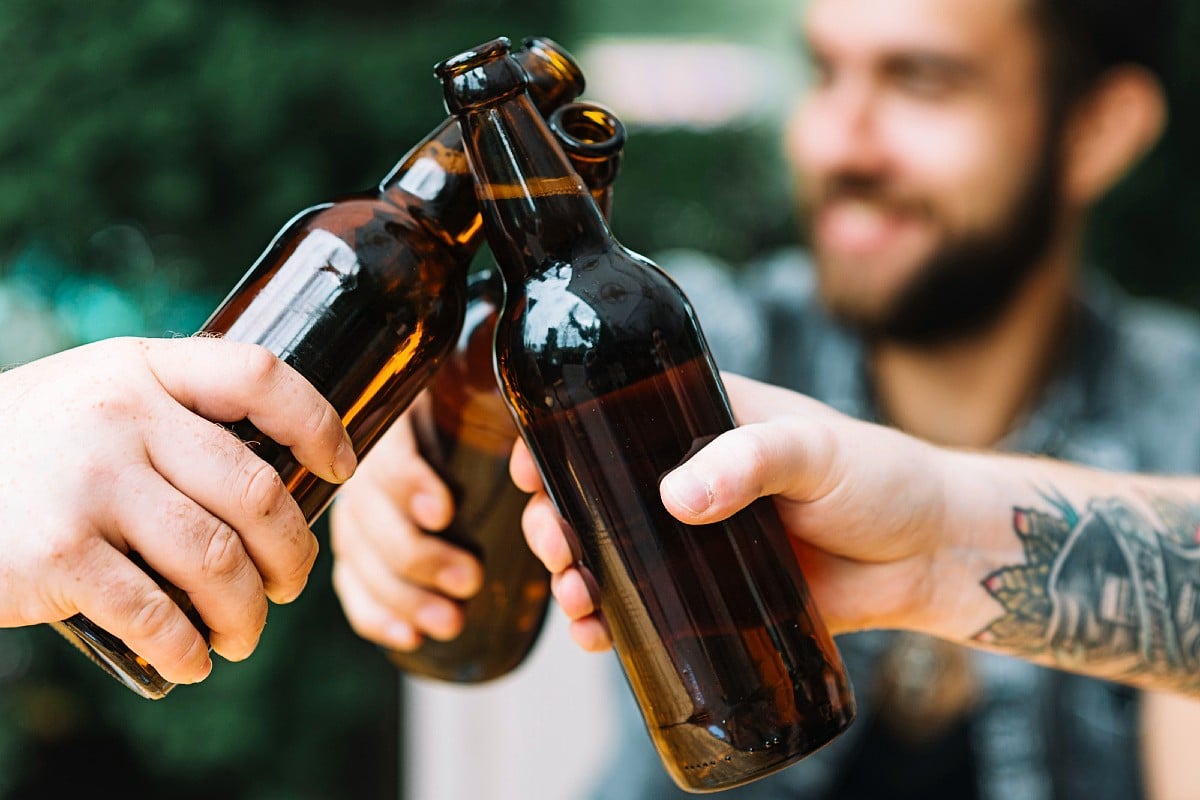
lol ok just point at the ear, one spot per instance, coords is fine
(1109, 130)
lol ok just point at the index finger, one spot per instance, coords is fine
(228, 381)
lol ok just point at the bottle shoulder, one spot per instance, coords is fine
(609, 307)
(613, 281)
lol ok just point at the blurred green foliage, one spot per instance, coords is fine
(148, 153)
(208, 126)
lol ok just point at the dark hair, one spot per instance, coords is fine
(1086, 38)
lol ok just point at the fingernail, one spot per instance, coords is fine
(437, 620)
(344, 460)
(401, 635)
(459, 580)
(283, 597)
(427, 511)
(688, 491)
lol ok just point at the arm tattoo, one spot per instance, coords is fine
(1116, 586)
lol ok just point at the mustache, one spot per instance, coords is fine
(870, 189)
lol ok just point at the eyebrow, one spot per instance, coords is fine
(960, 69)
(954, 68)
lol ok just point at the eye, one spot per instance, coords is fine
(925, 83)
(927, 78)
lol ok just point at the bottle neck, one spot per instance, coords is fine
(536, 208)
(434, 181)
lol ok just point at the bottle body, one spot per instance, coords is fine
(612, 386)
(736, 676)
(465, 432)
(364, 305)
(363, 297)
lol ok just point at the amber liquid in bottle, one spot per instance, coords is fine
(611, 383)
(464, 430)
(363, 296)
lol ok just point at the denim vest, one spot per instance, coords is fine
(1123, 399)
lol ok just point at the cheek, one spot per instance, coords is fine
(965, 168)
(813, 141)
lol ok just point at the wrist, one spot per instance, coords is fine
(970, 538)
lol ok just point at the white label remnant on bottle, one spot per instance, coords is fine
(319, 270)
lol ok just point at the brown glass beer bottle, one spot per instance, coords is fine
(612, 386)
(465, 432)
(363, 297)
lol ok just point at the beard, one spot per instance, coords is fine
(964, 287)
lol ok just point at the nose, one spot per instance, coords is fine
(834, 130)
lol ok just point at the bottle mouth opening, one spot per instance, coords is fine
(588, 129)
(469, 59)
(553, 54)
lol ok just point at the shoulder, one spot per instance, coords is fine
(1151, 377)
(1150, 338)
(784, 278)
(780, 278)
(740, 308)
(1160, 336)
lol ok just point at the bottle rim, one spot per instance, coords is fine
(588, 129)
(469, 59)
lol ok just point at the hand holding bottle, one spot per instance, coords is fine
(111, 449)
(862, 503)
(397, 583)
(1052, 562)
(444, 468)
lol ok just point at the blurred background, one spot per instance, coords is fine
(149, 152)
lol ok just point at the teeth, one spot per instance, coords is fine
(861, 217)
(861, 208)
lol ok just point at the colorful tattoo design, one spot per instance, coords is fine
(1117, 585)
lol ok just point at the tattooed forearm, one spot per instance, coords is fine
(1116, 587)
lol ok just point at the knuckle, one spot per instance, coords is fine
(756, 455)
(151, 614)
(96, 469)
(321, 420)
(124, 346)
(260, 365)
(112, 401)
(263, 491)
(223, 553)
(70, 548)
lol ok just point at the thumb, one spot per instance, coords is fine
(790, 458)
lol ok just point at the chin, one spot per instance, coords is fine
(859, 291)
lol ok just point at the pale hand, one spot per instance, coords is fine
(114, 447)
(397, 583)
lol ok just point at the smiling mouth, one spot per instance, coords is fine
(861, 227)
